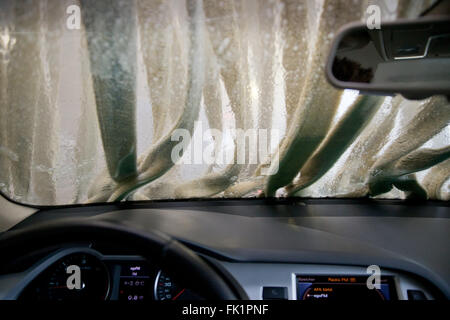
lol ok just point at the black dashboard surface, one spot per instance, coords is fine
(407, 236)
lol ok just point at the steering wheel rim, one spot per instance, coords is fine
(165, 252)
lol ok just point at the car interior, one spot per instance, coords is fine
(98, 97)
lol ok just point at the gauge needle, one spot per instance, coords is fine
(179, 294)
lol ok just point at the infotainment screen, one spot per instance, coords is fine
(339, 287)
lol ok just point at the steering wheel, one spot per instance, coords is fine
(165, 252)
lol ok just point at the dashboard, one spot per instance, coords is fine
(131, 278)
(272, 250)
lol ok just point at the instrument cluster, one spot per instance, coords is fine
(86, 274)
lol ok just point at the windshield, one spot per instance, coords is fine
(143, 100)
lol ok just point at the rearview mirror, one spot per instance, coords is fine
(410, 57)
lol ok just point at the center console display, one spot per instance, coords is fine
(343, 288)
(135, 282)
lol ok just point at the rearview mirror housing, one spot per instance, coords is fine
(409, 57)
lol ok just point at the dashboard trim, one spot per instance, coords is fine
(155, 285)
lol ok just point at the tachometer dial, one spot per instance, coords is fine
(77, 276)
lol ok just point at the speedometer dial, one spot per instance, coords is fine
(78, 276)
(167, 289)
